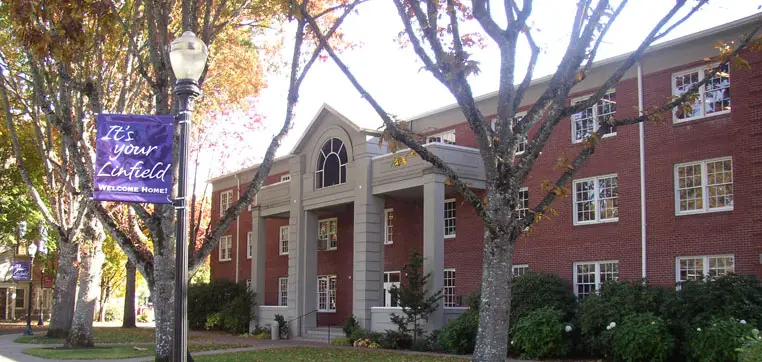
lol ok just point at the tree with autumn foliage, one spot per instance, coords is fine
(434, 30)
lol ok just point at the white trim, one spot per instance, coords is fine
(516, 118)
(446, 201)
(521, 208)
(225, 195)
(227, 240)
(597, 220)
(249, 245)
(388, 239)
(281, 291)
(597, 280)
(442, 136)
(285, 178)
(516, 267)
(328, 241)
(327, 293)
(280, 239)
(701, 92)
(595, 117)
(705, 264)
(704, 187)
(453, 287)
(320, 169)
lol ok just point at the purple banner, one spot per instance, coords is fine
(21, 271)
(133, 158)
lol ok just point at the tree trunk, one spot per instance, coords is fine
(163, 296)
(102, 303)
(128, 320)
(65, 292)
(494, 311)
(81, 334)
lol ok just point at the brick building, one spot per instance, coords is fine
(664, 202)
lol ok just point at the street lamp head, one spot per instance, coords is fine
(31, 249)
(188, 56)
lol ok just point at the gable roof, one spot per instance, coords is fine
(318, 119)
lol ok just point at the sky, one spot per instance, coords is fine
(392, 73)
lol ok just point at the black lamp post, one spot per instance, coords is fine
(188, 57)
(32, 250)
(42, 289)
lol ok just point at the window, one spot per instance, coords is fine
(521, 147)
(226, 248)
(449, 288)
(704, 186)
(20, 296)
(283, 240)
(226, 199)
(595, 200)
(327, 293)
(520, 269)
(449, 218)
(444, 137)
(47, 299)
(388, 226)
(283, 291)
(713, 98)
(331, 165)
(523, 203)
(249, 245)
(285, 178)
(327, 234)
(588, 120)
(391, 280)
(588, 277)
(248, 284)
(702, 267)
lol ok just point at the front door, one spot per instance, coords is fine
(3, 303)
(391, 279)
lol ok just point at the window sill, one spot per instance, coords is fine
(326, 311)
(704, 211)
(713, 116)
(598, 222)
(334, 249)
(224, 260)
(608, 135)
(282, 254)
(449, 236)
(389, 243)
(248, 258)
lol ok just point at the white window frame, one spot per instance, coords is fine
(320, 169)
(226, 199)
(283, 291)
(249, 244)
(454, 218)
(253, 203)
(285, 178)
(388, 226)
(447, 137)
(449, 290)
(705, 265)
(328, 233)
(521, 210)
(248, 284)
(226, 243)
(704, 187)
(595, 118)
(596, 200)
(516, 118)
(598, 280)
(283, 248)
(328, 294)
(519, 269)
(701, 92)
(388, 287)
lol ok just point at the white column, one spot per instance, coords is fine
(259, 235)
(433, 241)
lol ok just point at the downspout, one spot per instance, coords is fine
(237, 229)
(641, 139)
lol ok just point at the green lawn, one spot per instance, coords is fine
(321, 354)
(117, 352)
(102, 335)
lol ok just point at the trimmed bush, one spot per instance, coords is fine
(720, 340)
(533, 291)
(283, 329)
(340, 342)
(641, 337)
(392, 339)
(459, 336)
(541, 334)
(350, 325)
(222, 305)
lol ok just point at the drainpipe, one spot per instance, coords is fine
(237, 229)
(641, 139)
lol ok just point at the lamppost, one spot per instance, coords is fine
(32, 250)
(40, 298)
(188, 57)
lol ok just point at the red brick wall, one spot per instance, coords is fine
(339, 262)
(276, 265)
(407, 234)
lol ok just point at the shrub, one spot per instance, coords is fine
(533, 291)
(357, 333)
(541, 334)
(143, 317)
(350, 325)
(113, 313)
(213, 321)
(751, 351)
(459, 336)
(720, 340)
(282, 326)
(263, 333)
(641, 337)
(230, 301)
(392, 339)
(340, 341)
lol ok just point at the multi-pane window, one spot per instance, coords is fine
(704, 186)
(226, 248)
(712, 98)
(589, 119)
(249, 245)
(388, 226)
(20, 294)
(327, 239)
(283, 291)
(523, 203)
(701, 267)
(448, 291)
(521, 146)
(596, 200)
(520, 269)
(47, 299)
(589, 276)
(226, 199)
(331, 166)
(445, 137)
(326, 293)
(391, 280)
(449, 218)
(283, 240)
(284, 178)
(248, 284)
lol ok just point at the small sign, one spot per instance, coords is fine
(21, 271)
(47, 281)
(133, 158)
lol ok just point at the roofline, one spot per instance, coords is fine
(247, 169)
(617, 58)
(325, 107)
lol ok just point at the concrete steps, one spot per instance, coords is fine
(321, 334)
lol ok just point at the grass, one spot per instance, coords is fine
(118, 351)
(321, 354)
(102, 335)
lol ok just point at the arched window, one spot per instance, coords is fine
(331, 164)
